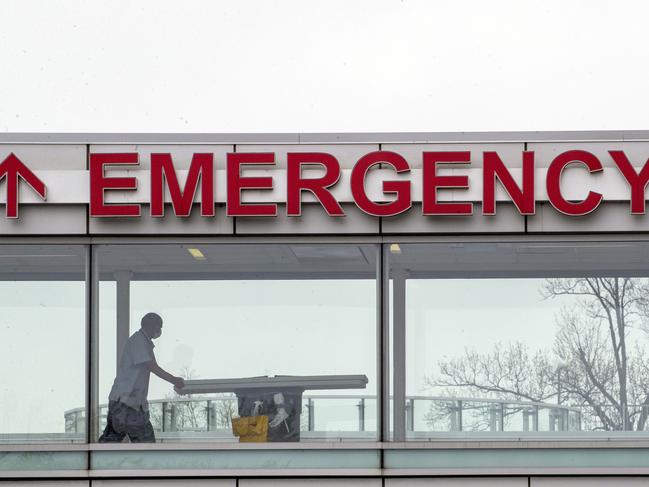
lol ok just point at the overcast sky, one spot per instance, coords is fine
(308, 66)
(315, 66)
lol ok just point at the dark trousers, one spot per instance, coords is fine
(125, 421)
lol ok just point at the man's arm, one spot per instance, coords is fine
(178, 382)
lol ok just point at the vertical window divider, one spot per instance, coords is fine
(92, 294)
(383, 416)
(399, 280)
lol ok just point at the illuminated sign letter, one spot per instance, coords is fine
(432, 181)
(553, 183)
(493, 168)
(162, 168)
(14, 170)
(99, 183)
(400, 188)
(638, 182)
(236, 183)
(295, 183)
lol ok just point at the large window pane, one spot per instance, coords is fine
(522, 338)
(241, 317)
(42, 331)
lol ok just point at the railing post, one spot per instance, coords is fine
(502, 416)
(214, 420)
(453, 415)
(361, 414)
(493, 422)
(535, 419)
(410, 415)
(579, 420)
(172, 419)
(310, 414)
(552, 416)
(526, 419)
(164, 417)
(460, 419)
(208, 415)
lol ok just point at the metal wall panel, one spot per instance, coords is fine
(347, 154)
(506, 220)
(510, 153)
(166, 483)
(545, 152)
(167, 225)
(48, 157)
(314, 220)
(609, 217)
(45, 220)
(459, 482)
(310, 482)
(44, 483)
(181, 154)
(589, 481)
(236, 461)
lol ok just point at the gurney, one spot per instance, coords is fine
(278, 397)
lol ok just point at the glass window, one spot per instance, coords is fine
(272, 342)
(520, 338)
(42, 331)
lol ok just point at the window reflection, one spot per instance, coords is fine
(525, 338)
(273, 342)
(42, 331)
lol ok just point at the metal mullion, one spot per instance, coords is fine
(399, 355)
(88, 339)
(92, 413)
(383, 416)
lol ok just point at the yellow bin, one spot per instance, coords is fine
(250, 428)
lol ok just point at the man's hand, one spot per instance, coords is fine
(178, 382)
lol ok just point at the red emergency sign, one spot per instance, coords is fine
(398, 190)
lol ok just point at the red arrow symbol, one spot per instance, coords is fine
(13, 168)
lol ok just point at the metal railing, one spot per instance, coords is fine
(355, 416)
(466, 414)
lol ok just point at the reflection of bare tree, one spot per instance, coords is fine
(603, 369)
(477, 416)
(510, 372)
(190, 413)
(225, 407)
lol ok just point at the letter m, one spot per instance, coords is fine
(162, 169)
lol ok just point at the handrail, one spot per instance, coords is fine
(205, 414)
(199, 398)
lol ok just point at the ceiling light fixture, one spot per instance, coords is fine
(196, 254)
